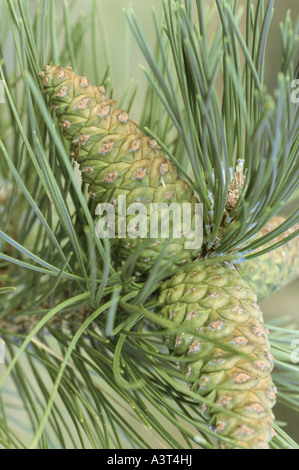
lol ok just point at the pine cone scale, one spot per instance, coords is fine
(240, 382)
(115, 157)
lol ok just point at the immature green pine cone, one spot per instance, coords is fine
(272, 271)
(214, 302)
(116, 158)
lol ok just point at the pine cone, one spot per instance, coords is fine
(216, 304)
(116, 158)
(272, 271)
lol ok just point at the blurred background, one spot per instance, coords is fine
(124, 55)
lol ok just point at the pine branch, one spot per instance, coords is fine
(266, 142)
